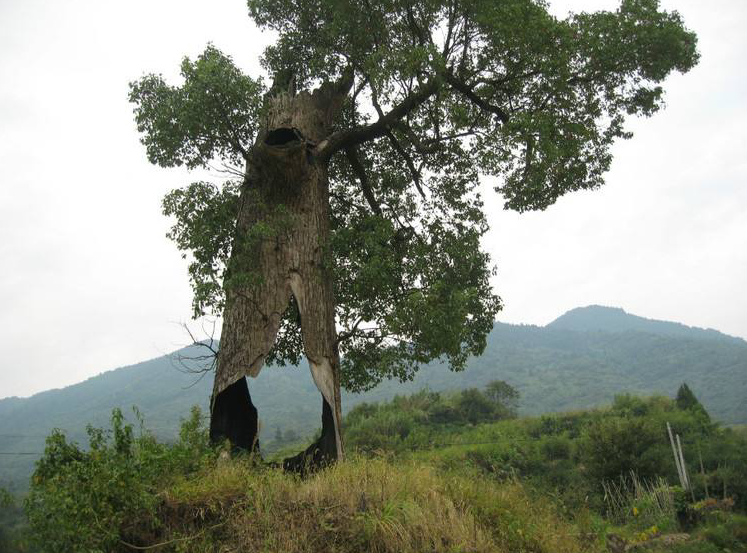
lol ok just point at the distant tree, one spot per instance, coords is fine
(685, 397)
(615, 446)
(6, 504)
(686, 400)
(355, 201)
(474, 406)
(504, 395)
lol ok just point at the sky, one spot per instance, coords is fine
(89, 282)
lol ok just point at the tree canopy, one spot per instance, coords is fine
(437, 93)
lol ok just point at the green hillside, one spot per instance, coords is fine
(554, 368)
(440, 472)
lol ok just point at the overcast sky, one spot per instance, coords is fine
(89, 282)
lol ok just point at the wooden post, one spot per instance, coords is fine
(676, 457)
(684, 469)
(702, 472)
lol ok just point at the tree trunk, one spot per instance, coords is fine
(283, 230)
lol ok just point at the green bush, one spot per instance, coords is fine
(727, 531)
(616, 446)
(86, 500)
(556, 447)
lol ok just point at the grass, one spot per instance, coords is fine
(359, 505)
(641, 504)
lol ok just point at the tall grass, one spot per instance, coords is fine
(359, 505)
(645, 502)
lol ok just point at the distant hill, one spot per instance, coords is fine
(597, 318)
(580, 360)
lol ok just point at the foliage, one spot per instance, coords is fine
(6, 499)
(573, 456)
(727, 531)
(510, 485)
(615, 446)
(642, 505)
(686, 400)
(503, 394)
(87, 500)
(415, 421)
(204, 215)
(129, 492)
(215, 113)
(440, 93)
(9, 521)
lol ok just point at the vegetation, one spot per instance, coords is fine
(554, 369)
(414, 422)
(12, 520)
(427, 476)
(571, 453)
(597, 318)
(130, 491)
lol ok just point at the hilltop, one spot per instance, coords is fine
(598, 318)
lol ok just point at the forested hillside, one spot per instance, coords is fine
(602, 353)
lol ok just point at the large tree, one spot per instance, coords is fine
(351, 231)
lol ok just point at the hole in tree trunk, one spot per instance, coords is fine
(322, 452)
(282, 136)
(234, 417)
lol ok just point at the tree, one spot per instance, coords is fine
(687, 401)
(354, 203)
(685, 397)
(505, 396)
(475, 406)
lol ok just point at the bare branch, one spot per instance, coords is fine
(197, 363)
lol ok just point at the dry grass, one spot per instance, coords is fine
(359, 505)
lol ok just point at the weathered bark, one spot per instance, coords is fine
(284, 171)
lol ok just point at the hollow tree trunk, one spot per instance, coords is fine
(286, 191)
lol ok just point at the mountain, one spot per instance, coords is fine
(597, 318)
(580, 360)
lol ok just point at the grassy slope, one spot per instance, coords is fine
(363, 505)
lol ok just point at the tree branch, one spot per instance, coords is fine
(469, 93)
(352, 137)
(355, 163)
(408, 161)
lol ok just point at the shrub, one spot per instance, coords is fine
(86, 500)
(615, 446)
(556, 447)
